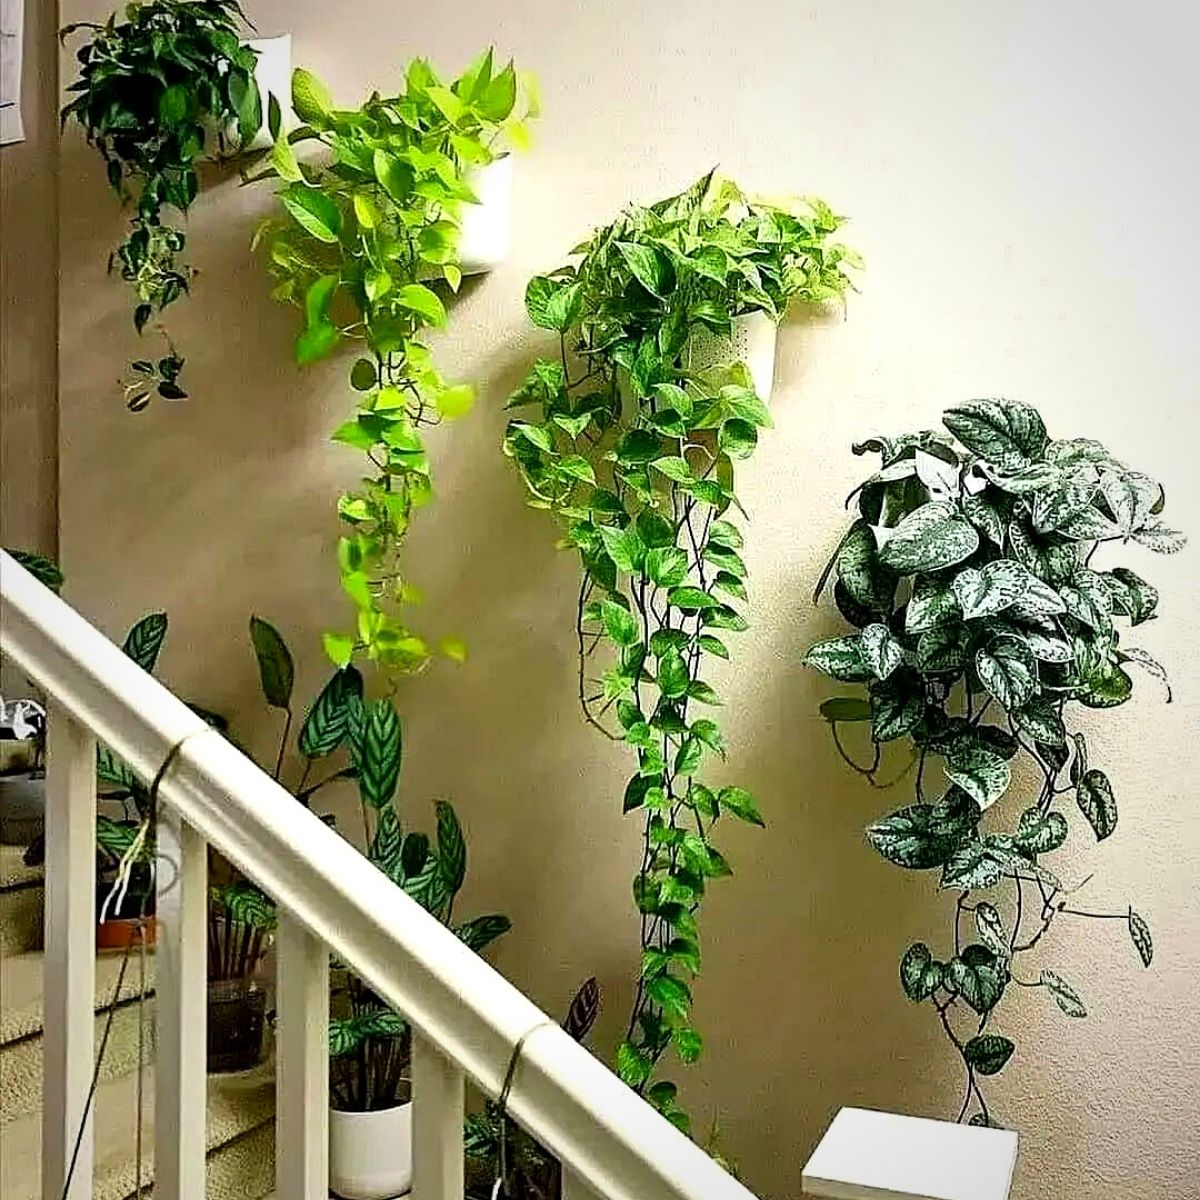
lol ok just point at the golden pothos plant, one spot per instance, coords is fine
(367, 248)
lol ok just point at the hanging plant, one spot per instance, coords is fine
(635, 451)
(153, 94)
(981, 624)
(369, 233)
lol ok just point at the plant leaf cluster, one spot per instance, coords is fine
(366, 248)
(154, 92)
(634, 451)
(981, 616)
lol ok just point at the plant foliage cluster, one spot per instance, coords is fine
(367, 245)
(154, 92)
(634, 451)
(982, 617)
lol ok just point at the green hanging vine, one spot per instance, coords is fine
(981, 622)
(634, 450)
(369, 232)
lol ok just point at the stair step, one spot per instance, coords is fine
(21, 1025)
(21, 903)
(240, 1140)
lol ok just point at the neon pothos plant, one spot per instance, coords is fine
(154, 91)
(634, 452)
(983, 618)
(368, 1041)
(367, 235)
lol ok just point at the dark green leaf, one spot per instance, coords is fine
(276, 671)
(1064, 994)
(325, 724)
(452, 848)
(1139, 931)
(378, 753)
(144, 641)
(988, 1053)
(1094, 795)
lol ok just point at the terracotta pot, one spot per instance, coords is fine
(118, 933)
(370, 1153)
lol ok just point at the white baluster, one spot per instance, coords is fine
(437, 1124)
(302, 1071)
(70, 964)
(181, 986)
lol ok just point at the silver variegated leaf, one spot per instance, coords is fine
(986, 517)
(1148, 662)
(1065, 996)
(932, 537)
(1160, 539)
(932, 603)
(882, 652)
(1005, 433)
(943, 650)
(1008, 670)
(842, 658)
(991, 929)
(983, 775)
(1094, 795)
(991, 589)
(1054, 507)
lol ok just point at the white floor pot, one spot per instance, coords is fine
(486, 236)
(370, 1153)
(753, 342)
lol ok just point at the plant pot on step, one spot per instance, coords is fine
(753, 342)
(486, 229)
(236, 1018)
(129, 921)
(370, 1153)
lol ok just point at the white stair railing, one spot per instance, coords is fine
(467, 1019)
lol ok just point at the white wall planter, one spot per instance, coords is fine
(370, 1153)
(486, 229)
(273, 74)
(753, 342)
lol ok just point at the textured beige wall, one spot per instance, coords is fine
(1023, 181)
(28, 299)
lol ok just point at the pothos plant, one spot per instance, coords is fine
(984, 619)
(154, 92)
(367, 235)
(634, 451)
(369, 1041)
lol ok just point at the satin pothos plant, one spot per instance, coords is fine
(634, 451)
(986, 616)
(366, 249)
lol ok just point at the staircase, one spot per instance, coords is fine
(240, 1160)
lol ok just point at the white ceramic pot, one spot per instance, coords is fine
(753, 342)
(370, 1153)
(273, 74)
(486, 235)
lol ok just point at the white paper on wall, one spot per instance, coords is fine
(12, 20)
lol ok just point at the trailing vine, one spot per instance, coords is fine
(981, 623)
(154, 91)
(633, 449)
(369, 232)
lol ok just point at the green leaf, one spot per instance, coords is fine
(988, 1053)
(649, 266)
(283, 159)
(984, 776)
(43, 569)
(741, 803)
(917, 974)
(897, 705)
(452, 849)
(1039, 832)
(709, 732)
(712, 645)
(722, 533)
(842, 658)
(1042, 721)
(673, 678)
(979, 976)
(619, 623)
(377, 753)
(314, 211)
(498, 98)
(1008, 670)
(929, 539)
(339, 648)
(883, 654)
(868, 581)
(1006, 434)
(311, 100)
(1139, 931)
(738, 438)
(479, 932)
(688, 1043)
(932, 603)
(276, 671)
(689, 757)
(419, 299)
(671, 994)
(691, 599)
(363, 375)
(1094, 795)
(315, 341)
(924, 835)
(633, 1066)
(1065, 996)
(144, 641)
(325, 723)
(552, 303)
(846, 708)
(666, 566)
(674, 468)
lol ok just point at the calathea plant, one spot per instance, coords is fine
(368, 1041)
(367, 234)
(983, 619)
(634, 451)
(154, 91)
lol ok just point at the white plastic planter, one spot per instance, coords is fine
(486, 236)
(753, 342)
(370, 1153)
(273, 74)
